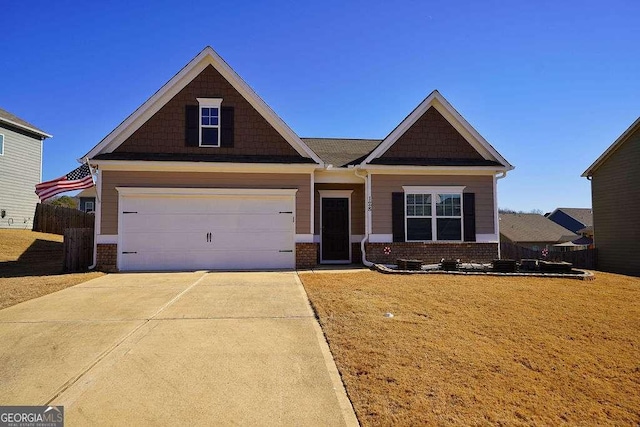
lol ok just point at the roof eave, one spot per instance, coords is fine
(612, 148)
(27, 128)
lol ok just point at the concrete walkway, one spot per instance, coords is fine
(174, 349)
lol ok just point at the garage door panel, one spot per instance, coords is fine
(221, 240)
(171, 233)
(197, 205)
(205, 222)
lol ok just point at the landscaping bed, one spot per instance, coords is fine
(477, 350)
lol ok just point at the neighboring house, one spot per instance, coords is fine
(20, 170)
(87, 200)
(615, 194)
(533, 231)
(204, 175)
(574, 219)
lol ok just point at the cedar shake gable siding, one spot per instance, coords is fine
(164, 132)
(432, 137)
(615, 192)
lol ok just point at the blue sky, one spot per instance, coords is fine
(549, 83)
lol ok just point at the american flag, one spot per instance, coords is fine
(75, 180)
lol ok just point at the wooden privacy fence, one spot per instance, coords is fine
(77, 249)
(55, 219)
(582, 259)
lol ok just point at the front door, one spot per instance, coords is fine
(335, 229)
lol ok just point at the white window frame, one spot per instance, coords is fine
(433, 192)
(209, 103)
(1, 144)
(86, 204)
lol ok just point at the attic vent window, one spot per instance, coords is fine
(209, 122)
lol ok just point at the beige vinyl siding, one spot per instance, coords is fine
(383, 185)
(615, 189)
(357, 205)
(19, 174)
(113, 179)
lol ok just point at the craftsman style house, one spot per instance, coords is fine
(204, 175)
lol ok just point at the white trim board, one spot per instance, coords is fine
(158, 191)
(436, 100)
(178, 82)
(153, 166)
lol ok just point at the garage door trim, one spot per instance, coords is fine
(170, 192)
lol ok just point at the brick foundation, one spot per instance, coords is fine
(432, 252)
(306, 255)
(107, 257)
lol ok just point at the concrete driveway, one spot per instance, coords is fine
(174, 349)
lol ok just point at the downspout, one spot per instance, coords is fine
(97, 212)
(495, 198)
(367, 216)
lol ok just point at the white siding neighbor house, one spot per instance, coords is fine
(20, 170)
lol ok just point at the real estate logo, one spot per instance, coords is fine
(31, 416)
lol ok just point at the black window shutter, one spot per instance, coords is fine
(469, 220)
(192, 129)
(397, 216)
(227, 125)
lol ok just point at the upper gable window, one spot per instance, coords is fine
(1, 144)
(210, 122)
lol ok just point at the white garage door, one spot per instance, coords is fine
(193, 229)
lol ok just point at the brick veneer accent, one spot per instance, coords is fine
(306, 255)
(432, 136)
(107, 257)
(432, 252)
(164, 132)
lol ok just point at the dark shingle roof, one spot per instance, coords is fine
(583, 215)
(7, 117)
(424, 161)
(181, 157)
(341, 152)
(533, 228)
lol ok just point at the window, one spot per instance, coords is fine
(88, 206)
(1, 144)
(433, 213)
(209, 122)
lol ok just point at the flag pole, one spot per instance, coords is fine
(92, 178)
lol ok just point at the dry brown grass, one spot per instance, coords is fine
(484, 350)
(31, 266)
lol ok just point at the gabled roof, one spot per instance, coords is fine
(436, 100)
(582, 215)
(13, 120)
(524, 227)
(341, 152)
(612, 148)
(205, 58)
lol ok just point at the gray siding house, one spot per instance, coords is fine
(87, 199)
(20, 170)
(615, 192)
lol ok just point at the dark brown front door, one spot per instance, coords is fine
(335, 229)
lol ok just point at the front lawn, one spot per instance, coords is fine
(31, 266)
(483, 350)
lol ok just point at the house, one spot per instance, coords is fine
(205, 175)
(533, 231)
(87, 199)
(21, 145)
(615, 194)
(574, 219)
